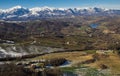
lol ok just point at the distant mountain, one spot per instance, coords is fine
(22, 13)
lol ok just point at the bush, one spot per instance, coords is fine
(57, 61)
(53, 72)
(14, 70)
(11, 70)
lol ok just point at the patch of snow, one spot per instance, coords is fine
(66, 64)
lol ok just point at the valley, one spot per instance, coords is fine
(69, 46)
(59, 37)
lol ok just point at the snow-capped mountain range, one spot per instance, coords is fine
(22, 13)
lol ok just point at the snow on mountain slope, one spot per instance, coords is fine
(15, 51)
(19, 12)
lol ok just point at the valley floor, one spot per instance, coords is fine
(109, 59)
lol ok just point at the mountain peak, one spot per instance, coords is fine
(12, 8)
(16, 7)
(42, 8)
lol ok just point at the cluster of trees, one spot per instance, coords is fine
(20, 57)
(57, 61)
(14, 70)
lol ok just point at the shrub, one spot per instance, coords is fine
(57, 61)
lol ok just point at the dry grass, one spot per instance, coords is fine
(71, 56)
(113, 61)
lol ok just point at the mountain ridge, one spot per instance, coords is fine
(23, 13)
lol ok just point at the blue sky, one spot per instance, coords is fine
(61, 3)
